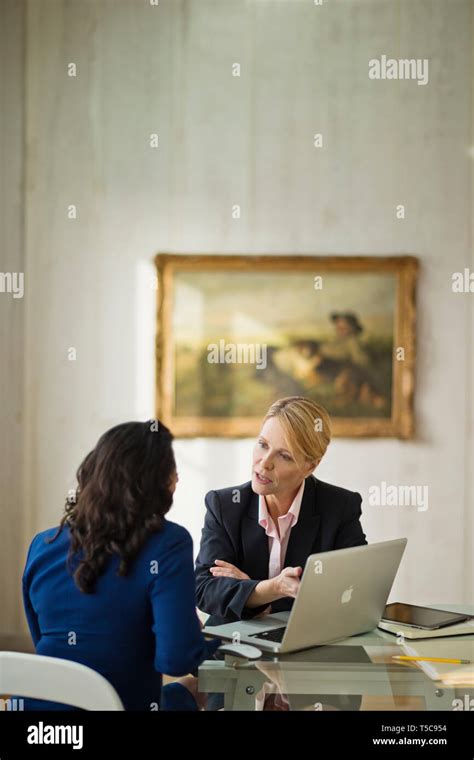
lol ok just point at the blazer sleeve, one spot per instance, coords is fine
(222, 597)
(350, 532)
(180, 646)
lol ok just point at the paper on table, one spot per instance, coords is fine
(463, 676)
(445, 671)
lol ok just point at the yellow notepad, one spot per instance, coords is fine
(459, 629)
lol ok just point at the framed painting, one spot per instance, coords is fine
(235, 333)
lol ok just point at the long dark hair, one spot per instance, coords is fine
(123, 492)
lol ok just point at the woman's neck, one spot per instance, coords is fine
(278, 505)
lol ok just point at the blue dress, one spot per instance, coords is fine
(131, 629)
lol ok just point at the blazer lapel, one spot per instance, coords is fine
(302, 537)
(304, 534)
(255, 543)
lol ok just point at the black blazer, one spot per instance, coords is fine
(328, 519)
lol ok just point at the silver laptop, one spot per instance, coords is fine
(342, 593)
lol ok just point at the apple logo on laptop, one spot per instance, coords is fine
(346, 597)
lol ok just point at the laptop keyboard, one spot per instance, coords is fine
(274, 635)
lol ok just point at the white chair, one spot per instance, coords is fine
(56, 680)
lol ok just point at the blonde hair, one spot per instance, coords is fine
(306, 424)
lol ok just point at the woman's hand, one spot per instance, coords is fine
(288, 582)
(285, 584)
(226, 570)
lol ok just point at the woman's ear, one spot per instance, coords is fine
(312, 466)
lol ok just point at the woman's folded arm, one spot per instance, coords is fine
(223, 597)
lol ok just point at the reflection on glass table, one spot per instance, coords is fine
(352, 674)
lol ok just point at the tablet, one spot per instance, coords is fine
(421, 617)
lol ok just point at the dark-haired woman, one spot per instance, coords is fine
(112, 586)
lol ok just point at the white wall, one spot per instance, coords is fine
(12, 19)
(247, 140)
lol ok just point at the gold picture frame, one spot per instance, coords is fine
(366, 382)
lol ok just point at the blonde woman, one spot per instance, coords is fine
(257, 536)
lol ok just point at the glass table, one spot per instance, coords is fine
(360, 665)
